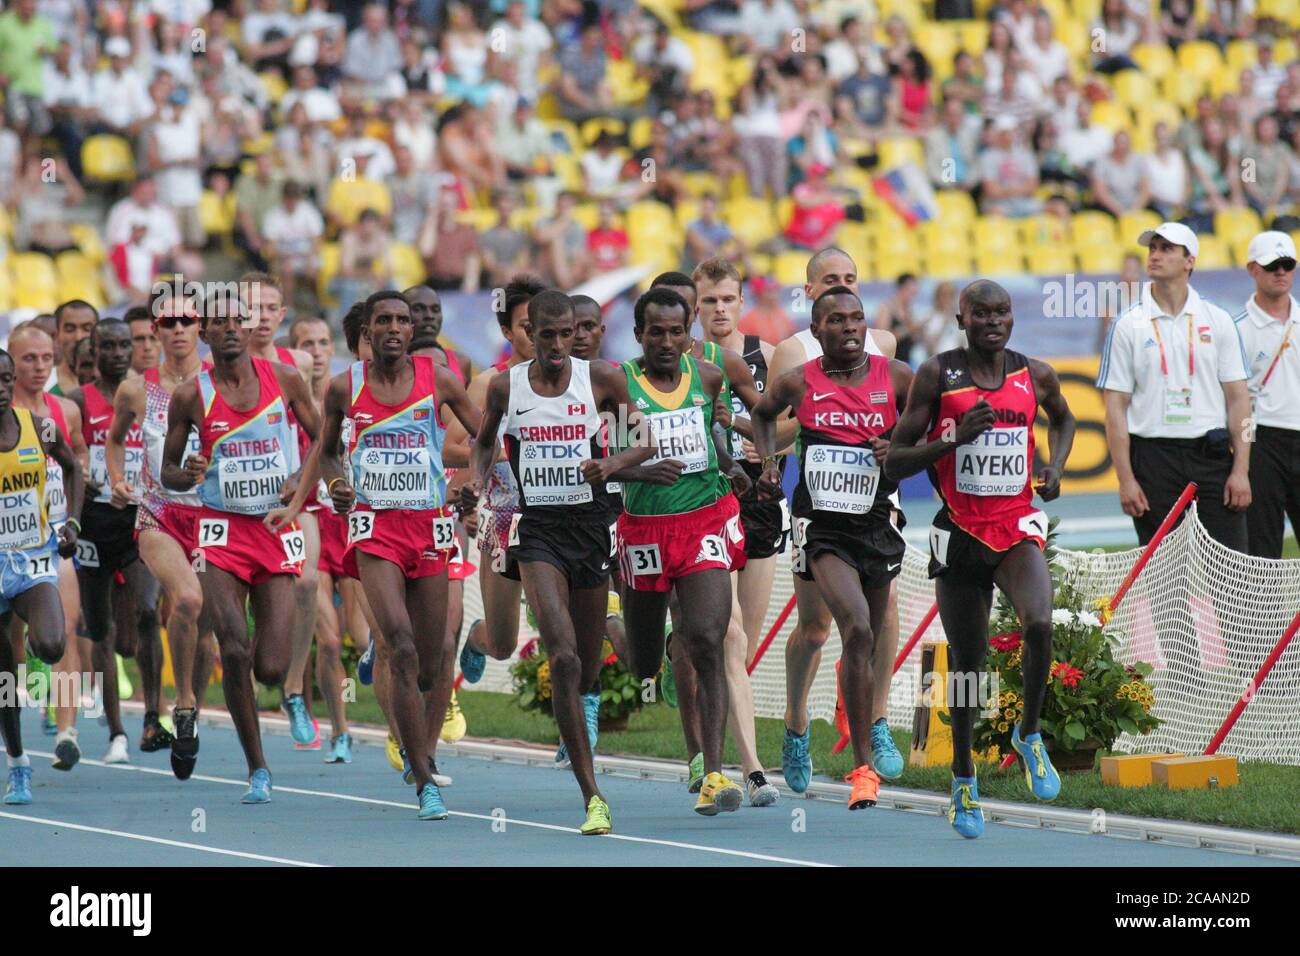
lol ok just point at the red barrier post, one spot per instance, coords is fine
(771, 634)
(1258, 679)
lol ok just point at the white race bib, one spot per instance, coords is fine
(20, 520)
(41, 565)
(294, 544)
(444, 533)
(995, 463)
(394, 477)
(549, 472)
(55, 497)
(361, 525)
(644, 559)
(681, 436)
(512, 539)
(250, 485)
(840, 478)
(214, 532)
(712, 548)
(87, 553)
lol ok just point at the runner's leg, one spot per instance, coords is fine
(304, 603)
(65, 711)
(497, 635)
(164, 556)
(96, 606)
(143, 588)
(803, 651)
(753, 594)
(329, 647)
(440, 697)
(964, 613)
(740, 693)
(706, 596)
(884, 650)
(687, 684)
(1025, 578)
(223, 597)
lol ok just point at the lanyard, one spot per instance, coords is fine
(1280, 349)
(1191, 351)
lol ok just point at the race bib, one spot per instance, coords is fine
(712, 548)
(361, 525)
(614, 487)
(20, 520)
(613, 541)
(513, 538)
(99, 473)
(643, 559)
(87, 553)
(55, 497)
(214, 532)
(798, 538)
(681, 436)
(444, 533)
(250, 484)
(40, 566)
(1035, 524)
(1178, 406)
(549, 472)
(394, 477)
(939, 539)
(295, 545)
(995, 463)
(840, 478)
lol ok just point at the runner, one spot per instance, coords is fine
(826, 270)
(398, 535)
(426, 316)
(562, 541)
(29, 554)
(975, 408)
(32, 350)
(240, 409)
(166, 521)
(144, 339)
(685, 534)
(846, 403)
(74, 320)
(107, 546)
(264, 300)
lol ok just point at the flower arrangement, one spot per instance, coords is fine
(620, 692)
(1091, 698)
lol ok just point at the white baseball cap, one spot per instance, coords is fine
(1268, 247)
(118, 46)
(1176, 233)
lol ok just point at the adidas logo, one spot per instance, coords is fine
(642, 404)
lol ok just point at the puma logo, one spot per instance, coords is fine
(1023, 386)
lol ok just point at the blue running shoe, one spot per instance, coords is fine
(796, 764)
(431, 805)
(259, 787)
(408, 777)
(340, 749)
(1040, 776)
(18, 793)
(964, 811)
(366, 664)
(472, 662)
(884, 754)
(300, 726)
(591, 710)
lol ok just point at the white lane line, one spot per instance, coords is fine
(143, 838)
(408, 805)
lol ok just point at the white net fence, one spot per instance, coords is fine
(1203, 616)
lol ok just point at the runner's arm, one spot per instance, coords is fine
(453, 395)
(483, 453)
(124, 415)
(1060, 428)
(786, 393)
(609, 386)
(906, 457)
(182, 415)
(711, 382)
(743, 386)
(72, 415)
(786, 357)
(73, 481)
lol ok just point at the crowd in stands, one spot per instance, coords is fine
(349, 146)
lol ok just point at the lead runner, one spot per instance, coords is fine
(975, 407)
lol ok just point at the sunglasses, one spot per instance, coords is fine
(1280, 265)
(174, 320)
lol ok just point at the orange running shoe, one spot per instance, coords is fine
(866, 788)
(841, 715)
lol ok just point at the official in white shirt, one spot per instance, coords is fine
(1173, 376)
(1268, 333)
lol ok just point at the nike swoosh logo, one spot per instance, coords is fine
(101, 418)
(523, 411)
(818, 398)
(893, 567)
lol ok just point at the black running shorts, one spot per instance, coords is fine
(106, 543)
(876, 552)
(583, 549)
(765, 527)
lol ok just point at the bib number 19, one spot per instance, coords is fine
(213, 532)
(295, 545)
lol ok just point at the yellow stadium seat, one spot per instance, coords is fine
(740, 69)
(955, 206)
(1097, 257)
(594, 127)
(480, 219)
(1160, 111)
(6, 224)
(1111, 115)
(937, 238)
(88, 241)
(1005, 262)
(1043, 228)
(996, 234)
(624, 85)
(527, 218)
(887, 268)
(890, 241)
(939, 41)
(687, 211)
(6, 289)
(654, 222)
(35, 280)
(1285, 50)
(1225, 82)
(408, 267)
(108, 158)
(71, 265)
(1133, 223)
(1087, 10)
(569, 171)
(329, 268)
(1214, 253)
(974, 36)
(1182, 88)
(1240, 248)
(947, 265)
(1200, 58)
(784, 211)
(1236, 223)
(274, 84)
(1241, 54)
(587, 215)
(790, 268)
(1090, 227)
(217, 213)
(703, 183)
(900, 149)
(1075, 37)
(1155, 59)
(349, 198)
(1134, 88)
(1052, 260)
(638, 136)
(752, 220)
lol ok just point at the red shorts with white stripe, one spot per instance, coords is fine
(180, 522)
(241, 545)
(333, 542)
(656, 550)
(458, 569)
(418, 542)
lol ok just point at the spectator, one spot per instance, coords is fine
(450, 248)
(1063, 105)
(851, 45)
(998, 55)
(135, 265)
(1230, 20)
(582, 91)
(121, 99)
(1177, 22)
(293, 231)
(1120, 31)
(523, 39)
(1046, 58)
(465, 56)
(268, 35)
(172, 153)
(1130, 293)
(911, 92)
(709, 236)
(69, 97)
(666, 184)
(414, 196)
(607, 244)
(373, 53)
(767, 25)
(317, 25)
(1167, 174)
(1266, 191)
(1119, 179)
(1268, 73)
(1086, 143)
(503, 247)
(767, 319)
(1235, 128)
(863, 102)
(818, 211)
(1215, 183)
(665, 63)
(896, 315)
(167, 50)
(816, 145)
(524, 147)
(413, 129)
(1287, 113)
(757, 123)
(422, 76)
(306, 151)
(322, 105)
(359, 142)
(227, 121)
(46, 203)
(25, 38)
(951, 147)
(1249, 104)
(965, 85)
(349, 196)
(1056, 167)
(562, 245)
(255, 196)
(898, 41)
(602, 165)
(1016, 97)
(714, 16)
(939, 332)
(467, 152)
(1008, 174)
(1021, 23)
(365, 261)
(163, 236)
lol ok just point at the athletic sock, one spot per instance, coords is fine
(20, 761)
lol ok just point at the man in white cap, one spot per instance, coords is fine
(1177, 407)
(1267, 327)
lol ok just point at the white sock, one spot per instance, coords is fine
(20, 761)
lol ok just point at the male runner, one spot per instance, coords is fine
(240, 408)
(563, 542)
(687, 534)
(846, 402)
(426, 316)
(264, 301)
(74, 321)
(29, 557)
(827, 269)
(107, 545)
(398, 532)
(144, 339)
(166, 521)
(32, 350)
(975, 408)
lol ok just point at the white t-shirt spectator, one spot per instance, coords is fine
(1046, 65)
(768, 24)
(382, 165)
(121, 99)
(321, 105)
(1167, 177)
(178, 136)
(258, 24)
(676, 53)
(74, 89)
(182, 12)
(294, 233)
(372, 59)
(523, 47)
(1086, 145)
(164, 235)
(601, 172)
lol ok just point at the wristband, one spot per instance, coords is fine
(76, 524)
(329, 489)
(770, 458)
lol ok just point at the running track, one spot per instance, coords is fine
(362, 814)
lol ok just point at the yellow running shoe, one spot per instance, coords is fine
(125, 689)
(453, 726)
(599, 822)
(716, 795)
(393, 750)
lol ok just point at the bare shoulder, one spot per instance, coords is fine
(885, 341)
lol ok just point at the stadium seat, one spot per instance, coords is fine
(567, 131)
(938, 238)
(1239, 248)
(887, 268)
(408, 267)
(890, 241)
(1098, 257)
(624, 85)
(527, 218)
(1237, 223)
(996, 234)
(699, 183)
(1241, 54)
(1112, 115)
(217, 213)
(1134, 88)
(108, 159)
(35, 281)
(1155, 59)
(955, 205)
(1052, 260)
(1133, 223)
(88, 241)
(790, 268)
(1200, 58)
(1224, 82)
(1074, 36)
(1182, 88)
(752, 220)
(587, 215)
(952, 264)
(602, 124)
(1043, 228)
(1159, 111)
(974, 36)
(1285, 50)
(347, 199)
(638, 135)
(329, 268)
(569, 171)
(6, 289)
(1214, 253)
(480, 219)
(1000, 263)
(686, 211)
(895, 150)
(1091, 226)
(654, 221)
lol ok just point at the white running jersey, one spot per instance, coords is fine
(548, 438)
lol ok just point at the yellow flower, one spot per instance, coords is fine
(606, 648)
(544, 681)
(1003, 727)
(1014, 659)
(1102, 605)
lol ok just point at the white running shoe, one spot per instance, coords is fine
(117, 752)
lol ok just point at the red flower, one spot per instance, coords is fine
(1006, 642)
(609, 660)
(1070, 676)
(528, 650)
